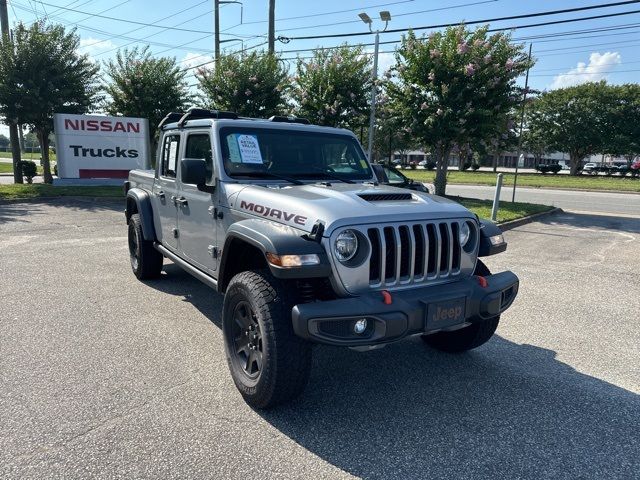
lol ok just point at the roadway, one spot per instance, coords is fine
(591, 201)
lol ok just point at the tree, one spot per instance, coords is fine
(391, 135)
(576, 120)
(333, 87)
(623, 126)
(4, 141)
(535, 143)
(455, 88)
(42, 73)
(252, 85)
(31, 140)
(147, 87)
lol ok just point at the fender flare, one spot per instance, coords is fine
(142, 201)
(270, 237)
(489, 229)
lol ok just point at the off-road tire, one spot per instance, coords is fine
(146, 261)
(285, 358)
(466, 338)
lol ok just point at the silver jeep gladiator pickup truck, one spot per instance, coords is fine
(288, 221)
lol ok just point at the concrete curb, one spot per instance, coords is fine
(566, 189)
(531, 218)
(74, 198)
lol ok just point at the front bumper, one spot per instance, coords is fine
(331, 322)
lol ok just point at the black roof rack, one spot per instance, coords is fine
(199, 113)
(170, 118)
(288, 119)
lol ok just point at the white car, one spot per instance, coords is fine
(590, 168)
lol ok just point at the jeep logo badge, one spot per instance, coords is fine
(443, 314)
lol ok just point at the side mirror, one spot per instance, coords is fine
(193, 171)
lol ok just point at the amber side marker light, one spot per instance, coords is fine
(288, 261)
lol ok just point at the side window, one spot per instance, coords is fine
(170, 149)
(199, 146)
(393, 176)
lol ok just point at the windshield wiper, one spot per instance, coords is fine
(328, 175)
(259, 174)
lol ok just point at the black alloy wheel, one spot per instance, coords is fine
(247, 340)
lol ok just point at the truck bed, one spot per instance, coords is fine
(142, 179)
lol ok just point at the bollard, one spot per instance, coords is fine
(496, 199)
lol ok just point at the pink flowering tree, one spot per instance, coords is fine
(455, 88)
(139, 85)
(332, 88)
(252, 85)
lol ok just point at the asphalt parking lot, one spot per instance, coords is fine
(102, 376)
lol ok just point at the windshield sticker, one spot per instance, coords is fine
(234, 151)
(249, 149)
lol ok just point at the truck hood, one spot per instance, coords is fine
(338, 205)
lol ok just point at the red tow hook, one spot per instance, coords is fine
(482, 281)
(386, 297)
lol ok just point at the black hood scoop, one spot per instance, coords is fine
(385, 197)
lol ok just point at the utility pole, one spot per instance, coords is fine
(216, 29)
(13, 126)
(272, 26)
(524, 103)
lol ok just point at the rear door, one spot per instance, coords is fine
(196, 210)
(165, 191)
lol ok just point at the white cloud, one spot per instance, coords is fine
(91, 46)
(192, 59)
(385, 61)
(599, 64)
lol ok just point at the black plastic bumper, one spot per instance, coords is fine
(332, 322)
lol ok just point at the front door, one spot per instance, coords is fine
(165, 191)
(196, 215)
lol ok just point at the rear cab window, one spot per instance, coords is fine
(170, 152)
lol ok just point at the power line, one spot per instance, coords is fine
(159, 20)
(395, 15)
(111, 35)
(583, 73)
(488, 20)
(586, 66)
(116, 19)
(547, 36)
(329, 13)
(212, 61)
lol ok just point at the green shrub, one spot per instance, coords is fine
(29, 170)
(475, 167)
(430, 165)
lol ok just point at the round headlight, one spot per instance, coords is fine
(464, 234)
(346, 245)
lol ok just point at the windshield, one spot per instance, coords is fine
(256, 152)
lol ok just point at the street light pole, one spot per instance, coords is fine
(385, 16)
(524, 103)
(372, 114)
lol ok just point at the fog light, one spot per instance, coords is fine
(496, 240)
(360, 326)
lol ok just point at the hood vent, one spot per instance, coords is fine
(384, 197)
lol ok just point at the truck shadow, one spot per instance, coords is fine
(504, 410)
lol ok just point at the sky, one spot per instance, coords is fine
(576, 57)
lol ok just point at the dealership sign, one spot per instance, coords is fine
(93, 146)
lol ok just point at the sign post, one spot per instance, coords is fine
(94, 148)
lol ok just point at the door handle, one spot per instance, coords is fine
(179, 200)
(160, 194)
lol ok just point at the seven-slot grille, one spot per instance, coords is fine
(412, 253)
